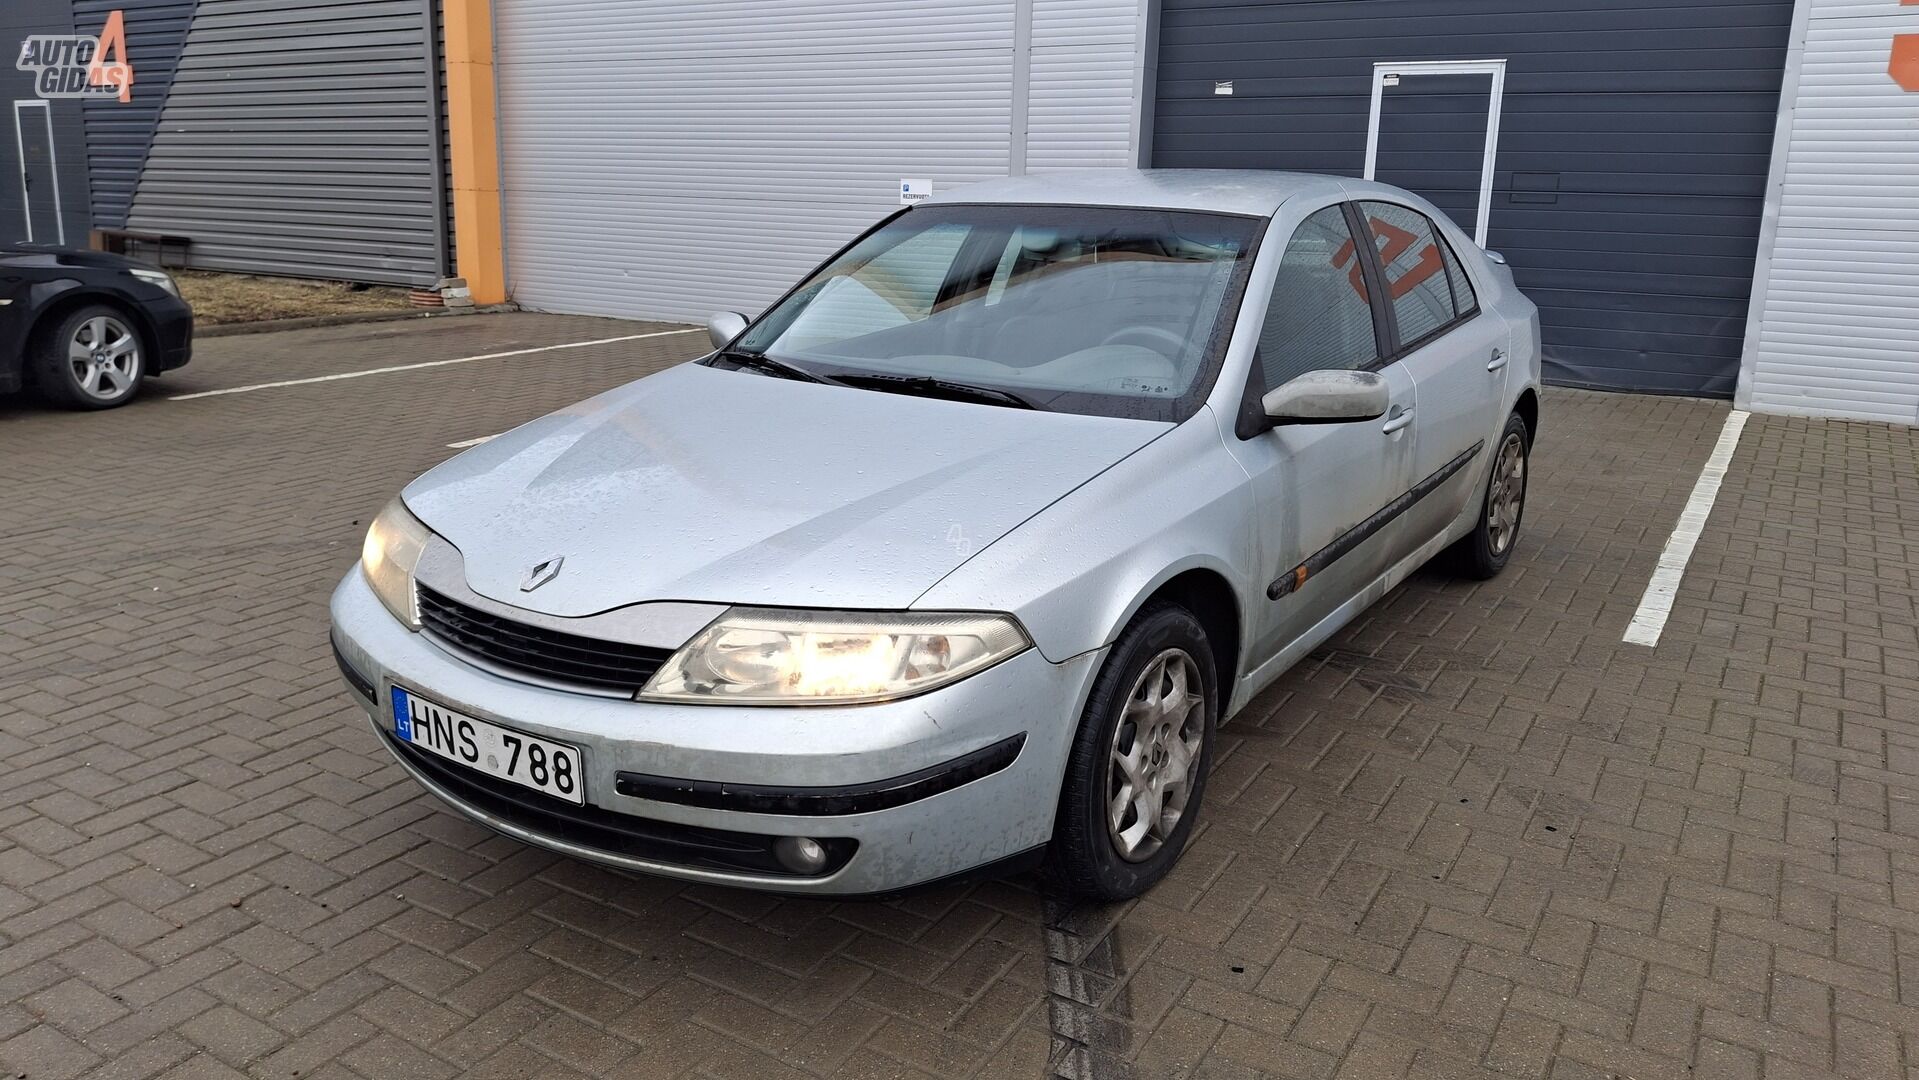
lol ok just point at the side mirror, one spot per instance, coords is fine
(723, 327)
(1329, 397)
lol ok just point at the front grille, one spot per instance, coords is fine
(550, 654)
(621, 834)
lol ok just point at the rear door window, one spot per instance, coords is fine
(1465, 301)
(1419, 282)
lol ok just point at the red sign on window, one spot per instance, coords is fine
(1395, 242)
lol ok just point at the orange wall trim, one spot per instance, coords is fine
(473, 140)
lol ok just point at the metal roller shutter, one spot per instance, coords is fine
(1837, 316)
(670, 159)
(118, 133)
(298, 139)
(1080, 104)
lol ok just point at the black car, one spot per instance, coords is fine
(84, 327)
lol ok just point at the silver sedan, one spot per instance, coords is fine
(954, 560)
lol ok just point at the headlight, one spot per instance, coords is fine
(758, 656)
(155, 277)
(392, 550)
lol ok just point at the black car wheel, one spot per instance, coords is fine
(1484, 552)
(1137, 771)
(92, 358)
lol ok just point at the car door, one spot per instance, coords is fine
(1455, 354)
(1320, 488)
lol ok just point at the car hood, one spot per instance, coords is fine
(49, 256)
(731, 487)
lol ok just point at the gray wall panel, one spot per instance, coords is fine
(448, 241)
(1837, 318)
(118, 133)
(1650, 124)
(298, 139)
(720, 150)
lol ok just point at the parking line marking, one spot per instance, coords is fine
(428, 364)
(1650, 620)
(465, 443)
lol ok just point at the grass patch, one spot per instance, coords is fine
(221, 299)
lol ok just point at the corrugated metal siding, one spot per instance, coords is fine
(1081, 91)
(1839, 321)
(1633, 150)
(297, 140)
(665, 160)
(118, 134)
(449, 241)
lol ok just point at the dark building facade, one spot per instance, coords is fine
(1709, 197)
(43, 150)
(296, 137)
(1633, 150)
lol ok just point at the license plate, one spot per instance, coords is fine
(545, 766)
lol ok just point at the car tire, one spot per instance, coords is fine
(1484, 552)
(1169, 743)
(91, 358)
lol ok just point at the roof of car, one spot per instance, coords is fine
(1224, 191)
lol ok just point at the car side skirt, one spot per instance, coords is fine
(1263, 676)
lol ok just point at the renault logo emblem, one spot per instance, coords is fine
(542, 573)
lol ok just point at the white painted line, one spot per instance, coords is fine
(464, 443)
(428, 364)
(1650, 620)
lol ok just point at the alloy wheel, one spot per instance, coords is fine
(1508, 495)
(105, 357)
(1155, 754)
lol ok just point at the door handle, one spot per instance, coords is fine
(1498, 361)
(1397, 421)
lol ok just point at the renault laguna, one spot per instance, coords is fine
(955, 559)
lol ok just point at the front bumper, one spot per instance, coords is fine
(682, 771)
(172, 320)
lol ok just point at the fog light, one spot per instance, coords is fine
(800, 854)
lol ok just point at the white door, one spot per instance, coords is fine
(39, 173)
(1434, 130)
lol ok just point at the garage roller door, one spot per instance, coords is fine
(1836, 324)
(665, 160)
(1633, 148)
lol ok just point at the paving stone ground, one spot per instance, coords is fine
(1474, 836)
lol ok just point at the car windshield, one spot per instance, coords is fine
(1114, 312)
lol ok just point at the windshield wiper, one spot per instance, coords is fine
(765, 363)
(929, 386)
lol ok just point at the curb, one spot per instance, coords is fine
(268, 326)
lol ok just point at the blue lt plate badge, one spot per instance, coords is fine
(402, 716)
